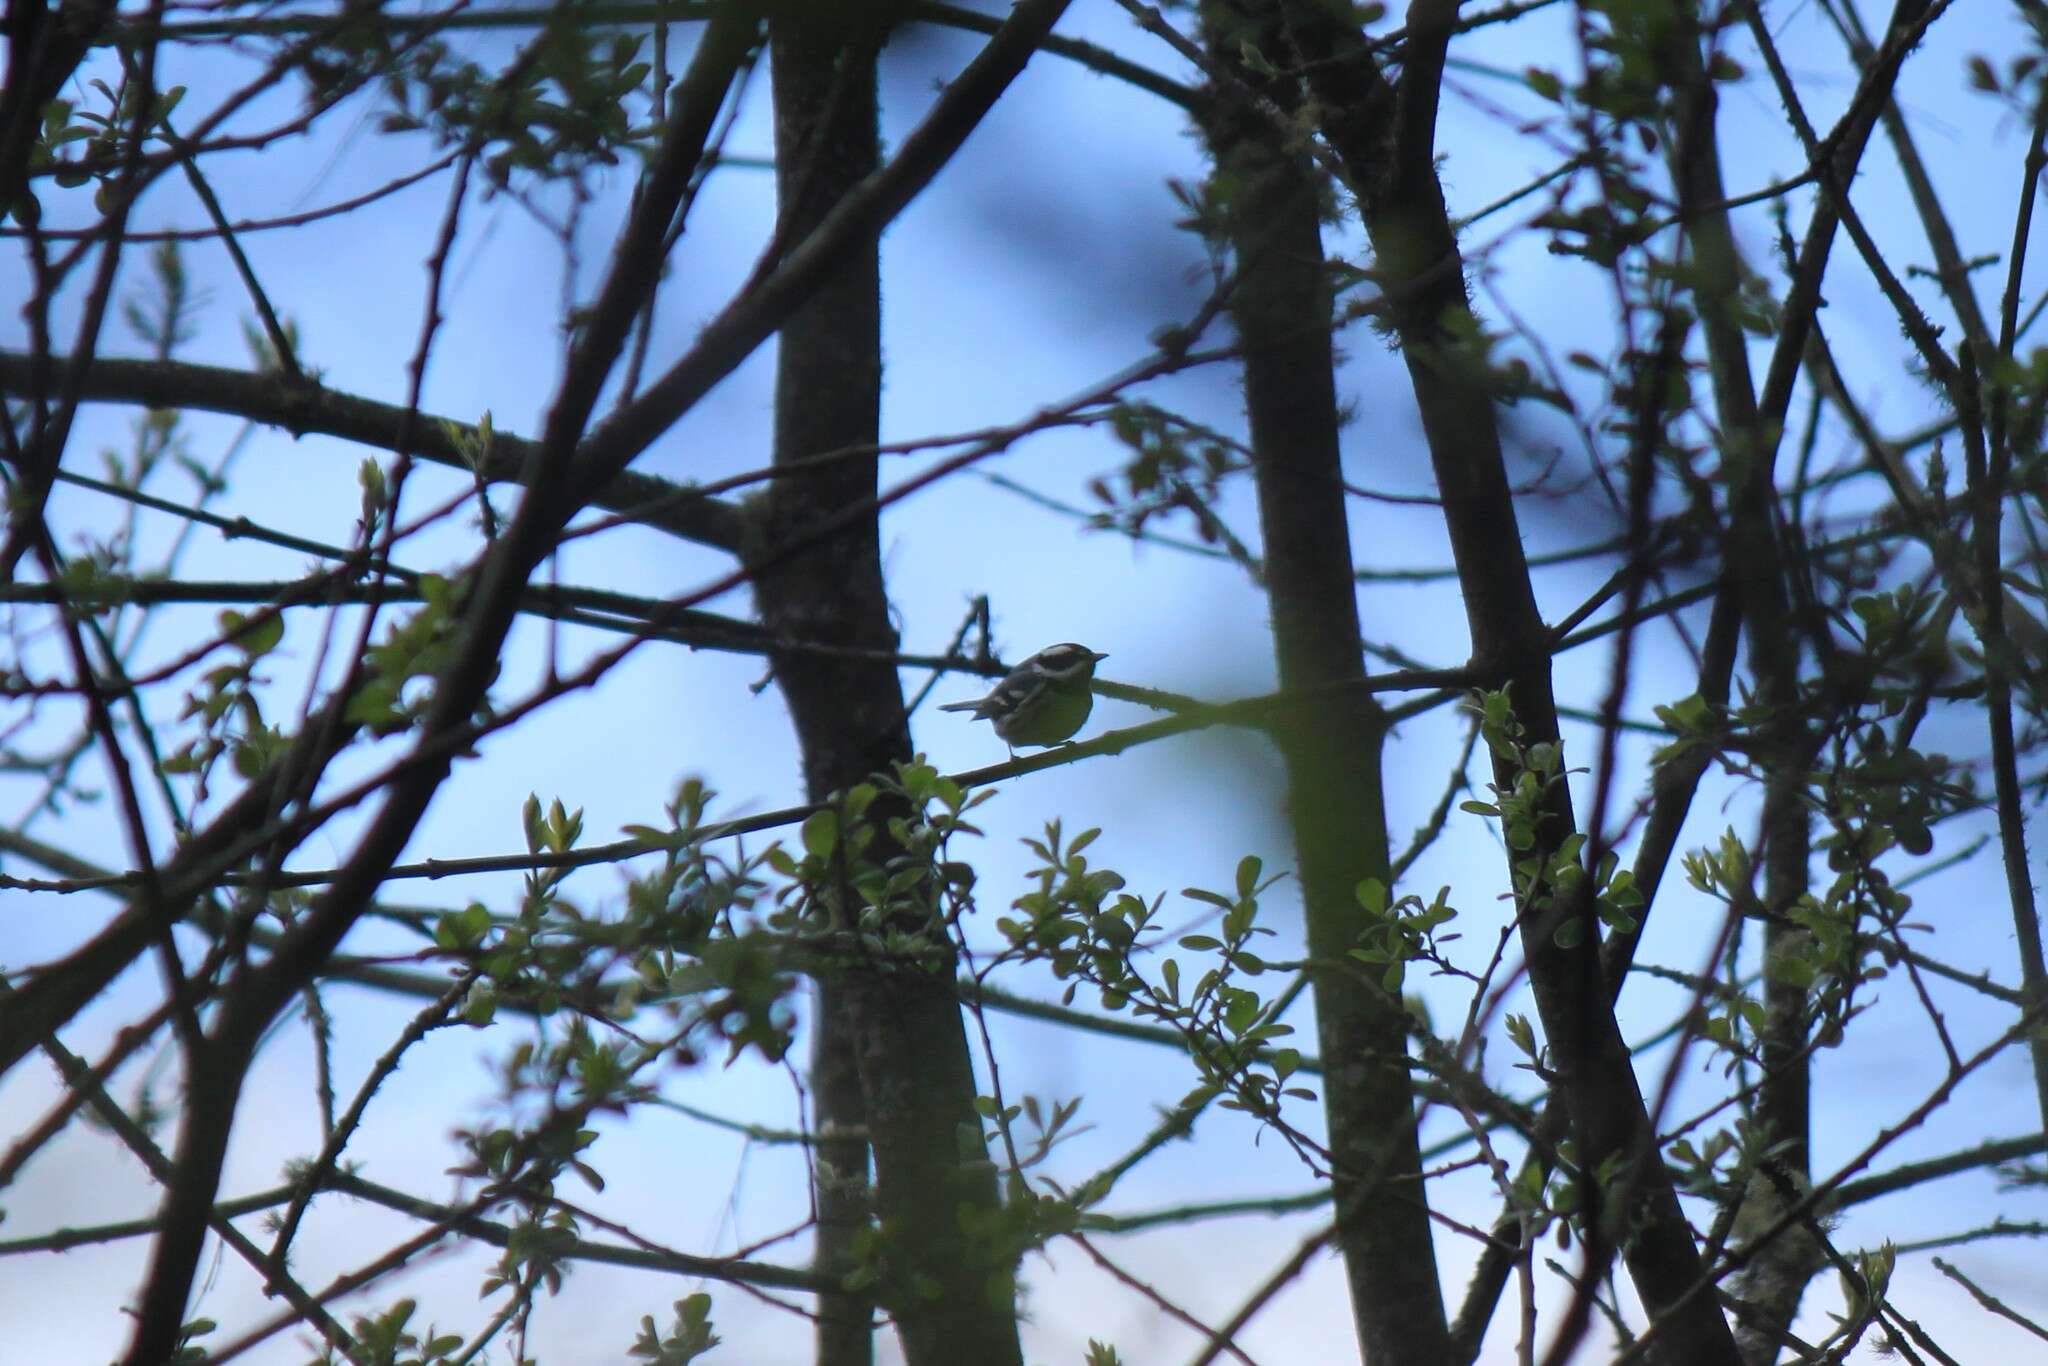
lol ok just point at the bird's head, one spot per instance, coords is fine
(1068, 661)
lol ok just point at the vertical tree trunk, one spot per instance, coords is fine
(1333, 746)
(1775, 1278)
(889, 1050)
(827, 395)
(1384, 137)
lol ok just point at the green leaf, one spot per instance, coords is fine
(1254, 60)
(1241, 1011)
(254, 640)
(481, 1004)
(1722, 67)
(821, 833)
(530, 821)
(168, 101)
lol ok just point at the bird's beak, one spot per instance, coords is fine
(1098, 656)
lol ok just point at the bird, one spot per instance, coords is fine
(1042, 701)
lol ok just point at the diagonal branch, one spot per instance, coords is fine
(307, 406)
(778, 286)
(254, 995)
(1412, 238)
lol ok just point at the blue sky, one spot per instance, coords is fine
(1037, 265)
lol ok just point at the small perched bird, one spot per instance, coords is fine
(1042, 701)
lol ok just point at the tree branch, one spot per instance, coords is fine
(304, 406)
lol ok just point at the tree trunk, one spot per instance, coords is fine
(1775, 1278)
(1332, 746)
(1385, 140)
(889, 1049)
